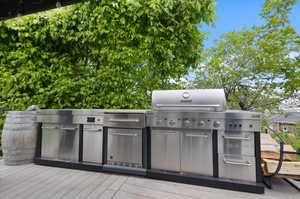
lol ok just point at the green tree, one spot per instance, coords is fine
(254, 66)
(100, 54)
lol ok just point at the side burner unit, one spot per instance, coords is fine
(239, 156)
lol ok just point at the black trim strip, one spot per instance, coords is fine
(215, 153)
(80, 143)
(258, 157)
(104, 149)
(38, 149)
(208, 181)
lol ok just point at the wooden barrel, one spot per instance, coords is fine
(19, 137)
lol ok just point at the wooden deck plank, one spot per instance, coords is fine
(125, 195)
(89, 186)
(44, 187)
(35, 182)
(19, 180)
(147, 192)
(107, 194)
(28, 187)
(118, 183)
(96, 193)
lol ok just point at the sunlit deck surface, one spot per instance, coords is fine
(41, 182)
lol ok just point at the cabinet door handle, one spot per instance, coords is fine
(237, 163)
(44, 127)
(199, 136)
(92, 130)
(125, 134)
(236, 138)
(69, 129)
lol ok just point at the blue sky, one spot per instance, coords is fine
(236, 14)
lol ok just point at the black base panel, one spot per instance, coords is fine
(125, 170)
(87, 166)
(69, 165)
(207, 181)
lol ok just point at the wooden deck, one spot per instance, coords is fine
(41, 182)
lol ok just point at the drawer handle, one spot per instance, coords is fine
(92, 130)
(170, 133)
(237, 163)
(69, 129)
(50, 127)
(125, 120)
(125, 134)
(236, 138)
(199, 136)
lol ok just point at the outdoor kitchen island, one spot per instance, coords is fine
(187, 137)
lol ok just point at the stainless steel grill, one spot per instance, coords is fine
(184, 125)
(191, 132)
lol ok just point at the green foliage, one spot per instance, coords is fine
(293, 140)
(254, 65)
(100, 54)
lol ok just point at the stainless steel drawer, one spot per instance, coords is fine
(125, 120)
(196, 152)
(92, 143)
(165, 150)
(125, 147)
(237, 167)
(241, 143)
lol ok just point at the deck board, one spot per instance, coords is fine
(34, 182)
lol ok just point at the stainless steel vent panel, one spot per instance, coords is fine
(189, 100)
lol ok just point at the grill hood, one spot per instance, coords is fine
(189, 100)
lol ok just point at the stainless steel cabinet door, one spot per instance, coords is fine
(69, 144)
(237, 167)
(165, 150)
(196, 152)
(92, 144)
(50, 141)
(124, 146)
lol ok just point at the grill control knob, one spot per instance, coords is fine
(217, 124)
(172, 122)
(187, 122)
(158, 122)
(201, 123)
